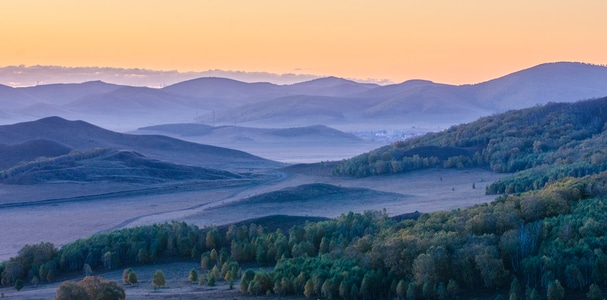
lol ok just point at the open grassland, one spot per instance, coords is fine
(60, 222)
(177, 285)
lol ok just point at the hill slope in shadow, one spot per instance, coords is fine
(14, 154)
(80, 135)
(291, 145)
(106, 165)
(233, 133)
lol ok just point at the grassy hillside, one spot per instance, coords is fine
(549, 142)
(23, 152)
(83, 136)
(106, 165)
(310, 192)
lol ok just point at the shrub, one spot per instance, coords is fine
(193, 275)
(158, 280)
(18, 284)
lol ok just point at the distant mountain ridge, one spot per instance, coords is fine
(550, 82)
(290, 145)
(316, 132)
(66, 93)
(330, 101)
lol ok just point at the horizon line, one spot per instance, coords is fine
(237, 75)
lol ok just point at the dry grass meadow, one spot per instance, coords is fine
(65, 220)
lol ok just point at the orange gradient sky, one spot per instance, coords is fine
(465, 41)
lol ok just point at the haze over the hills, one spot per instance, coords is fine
(339, 103)
(308, 144)
(23, 76)
(440, 40)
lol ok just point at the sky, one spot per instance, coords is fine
(456, 42)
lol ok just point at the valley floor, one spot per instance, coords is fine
(177, 286)
(61, 222)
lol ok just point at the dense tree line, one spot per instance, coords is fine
(567, 138)
(537, 178)
(139, 245)
(548, 242)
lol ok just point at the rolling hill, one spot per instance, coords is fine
(552, 82)
(311, 192)
(289, 111)
(290, 145)
(14, 154)
(59, 94)
(11, 98)
(105, 165)
(329, 87)
(222, 88)
(127, 101)
(230, 133)
(427, 98)
(539, 145)
(426, 101)
(307, 198)
(80, 135)
(213, 87)
(329, 101)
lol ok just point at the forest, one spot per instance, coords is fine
(547, 142)
(538, 244)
